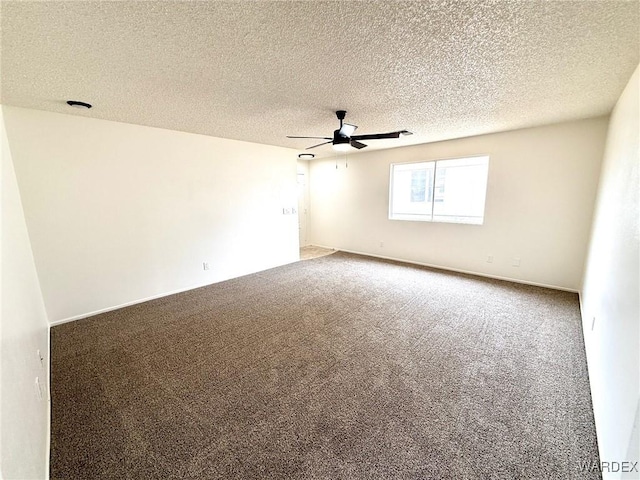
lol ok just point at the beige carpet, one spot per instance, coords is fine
(341, 367)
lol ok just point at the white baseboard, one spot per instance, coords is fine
(430, 265)
(48, 459)
(127, 304)
(159, 295)
(457, 270)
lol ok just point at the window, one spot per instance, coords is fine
(440, 191)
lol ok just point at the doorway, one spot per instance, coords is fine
(303, 202)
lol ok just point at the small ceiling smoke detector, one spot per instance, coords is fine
(76, 104)
(306, 156)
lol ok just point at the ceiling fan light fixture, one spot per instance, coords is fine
(342, 147)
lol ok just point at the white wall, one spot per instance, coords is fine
(540, 196)
(24, 418)
(117, 212)
(611, 286)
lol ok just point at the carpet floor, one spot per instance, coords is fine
(340, 367)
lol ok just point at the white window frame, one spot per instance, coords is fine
(426, 218)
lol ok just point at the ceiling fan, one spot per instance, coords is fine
(344, 137)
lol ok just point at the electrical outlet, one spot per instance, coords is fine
(381, 244)
(515, 262)
(205, 266)
(489, 258)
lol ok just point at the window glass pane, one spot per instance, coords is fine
(460, 190)
(412, 191)
(418, 185)
(441, 191)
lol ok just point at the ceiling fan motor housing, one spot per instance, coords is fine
(338, 138)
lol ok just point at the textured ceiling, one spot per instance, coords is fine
(257, 71)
